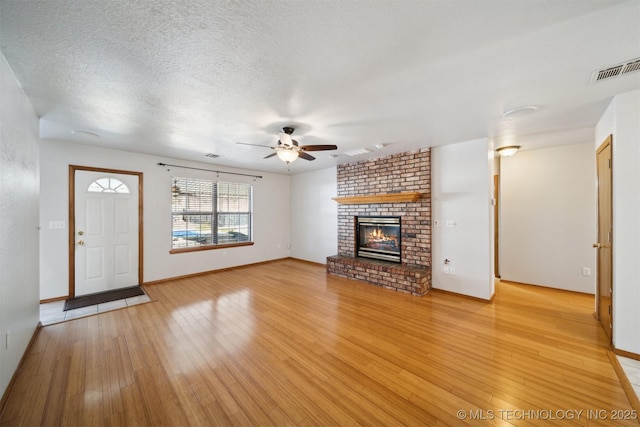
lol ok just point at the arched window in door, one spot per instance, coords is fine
(108, 185)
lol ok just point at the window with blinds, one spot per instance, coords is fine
(207, 213)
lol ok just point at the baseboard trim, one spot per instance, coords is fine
(317, 264)
(624, 381)
(7, 392)
(202, 273)
(48, 300)
(457, 294)
(502, 280)
(627, 354)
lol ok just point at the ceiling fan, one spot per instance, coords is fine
(288, 149)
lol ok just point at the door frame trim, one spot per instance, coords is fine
(72, 221)
(607, 142)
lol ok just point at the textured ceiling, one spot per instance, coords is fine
(184, 78)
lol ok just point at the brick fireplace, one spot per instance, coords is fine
(394, 186)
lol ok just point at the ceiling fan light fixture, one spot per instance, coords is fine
(508, 150)
(288, 149)
(286, 155)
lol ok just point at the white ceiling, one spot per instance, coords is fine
(184, 78)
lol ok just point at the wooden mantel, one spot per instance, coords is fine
(378, 198)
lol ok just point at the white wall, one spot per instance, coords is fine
(19, 309)
(271, 214)
(622, 119)
(314, 215)
(461, 191)
(548, 217)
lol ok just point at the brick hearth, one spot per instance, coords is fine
(400, 173)
(413, 280)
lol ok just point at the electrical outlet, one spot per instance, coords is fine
(446, 270)
(451, 223)
(586, 271)
(452, 271)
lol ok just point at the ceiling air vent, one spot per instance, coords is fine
(631, 66)
(212, 156)
(615, 71)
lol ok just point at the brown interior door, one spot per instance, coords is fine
(605, 235)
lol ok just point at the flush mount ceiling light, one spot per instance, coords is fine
(85, 133)
(508, 150)
(521, 111)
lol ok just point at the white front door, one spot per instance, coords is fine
(106, 231)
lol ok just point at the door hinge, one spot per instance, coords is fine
(609, 236)
(609, 310)
(609, 163)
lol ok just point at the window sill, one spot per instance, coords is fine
(209, 247)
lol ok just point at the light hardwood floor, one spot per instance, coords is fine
(283, 344)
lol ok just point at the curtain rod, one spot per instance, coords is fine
(209, 170)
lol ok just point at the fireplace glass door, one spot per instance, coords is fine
(378, 238)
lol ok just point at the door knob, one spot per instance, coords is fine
(80, 243)
(597, 245)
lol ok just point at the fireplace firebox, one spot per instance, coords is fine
(378, 237)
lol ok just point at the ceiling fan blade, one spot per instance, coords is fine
(270, 155)
(319, 147)
(254, 145)
(305, 156)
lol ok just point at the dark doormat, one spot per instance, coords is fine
(102, 297)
